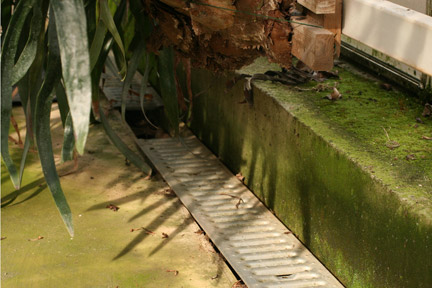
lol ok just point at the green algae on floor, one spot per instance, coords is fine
(104, 251)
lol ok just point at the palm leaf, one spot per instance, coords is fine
(28, 55)
(9, 50)
(68, 140)
(109, 21)
(122, 147)
(132, 68)
(75, 62)
(97, 44)
(42, 127)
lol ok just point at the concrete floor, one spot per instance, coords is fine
(104, 252)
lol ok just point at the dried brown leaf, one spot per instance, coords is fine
(176, 272)
(239, 284)
(113, 207)
(410, 157)
(36, 239)
(427, 111)
(240, 200)
(386, 86)
(335, 95)
(240, 176)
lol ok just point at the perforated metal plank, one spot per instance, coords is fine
(262, 251)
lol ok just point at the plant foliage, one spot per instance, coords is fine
(58, 48)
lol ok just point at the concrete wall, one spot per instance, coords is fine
(302, 168)
(417, 5)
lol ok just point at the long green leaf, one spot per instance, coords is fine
(62, 102)
(106, 16)
(28, 55)
(68, 141)
(168, 88)
(74, 52)
(9, 49)
(28, 89)
(122, 147)
(144, 83)
(97, 44)
(42, 127)
(133, 66)
(24, 96)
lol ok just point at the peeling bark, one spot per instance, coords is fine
(221, 38)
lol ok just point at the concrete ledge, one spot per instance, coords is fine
(324, 169)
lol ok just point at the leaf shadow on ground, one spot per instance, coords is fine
(8, 199)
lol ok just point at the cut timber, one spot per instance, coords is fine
(314, 47)
(319, 6)
(333, 22)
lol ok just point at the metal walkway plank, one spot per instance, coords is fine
(257, 245)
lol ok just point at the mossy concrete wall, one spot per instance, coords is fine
(324, 169)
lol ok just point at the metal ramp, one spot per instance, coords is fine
(262, 251)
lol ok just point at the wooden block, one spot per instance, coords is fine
(319, 6)
(333, 22)
(313, 46)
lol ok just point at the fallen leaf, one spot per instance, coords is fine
(3, 238)
(239, 284)
(410, 157)
(287, 232)
(386, 86)
(176, 272)
(426, 138)
(36, 239)
(240, 201)
(164, 235)
(113, 207)
(148, 177)
(335, 95)
(392, 144)
(199, 232)
(240, 176)
(247, 91)
(328, 74)
(427, 111)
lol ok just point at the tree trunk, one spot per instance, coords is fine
(223, 34)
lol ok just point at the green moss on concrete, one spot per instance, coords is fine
(103, 253)
(324, 169)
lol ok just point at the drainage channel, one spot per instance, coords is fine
(262, 251)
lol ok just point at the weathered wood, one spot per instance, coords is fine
(223, 34)
(333, 22)
(313, 46)
(319, 6)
